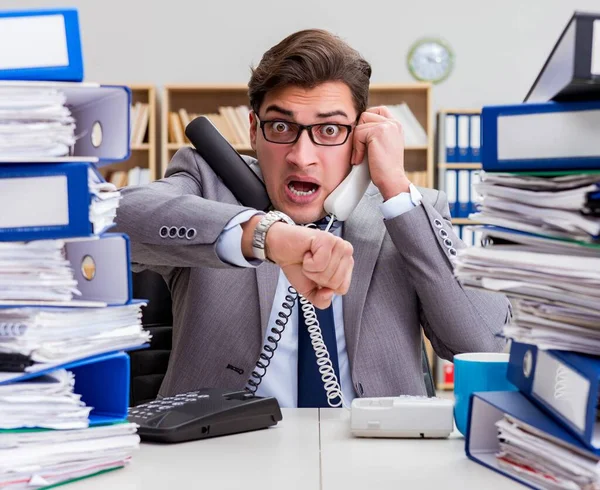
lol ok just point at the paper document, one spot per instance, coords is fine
(542, 460)
(35, 123)
(35, 270)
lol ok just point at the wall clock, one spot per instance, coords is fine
(430, 60)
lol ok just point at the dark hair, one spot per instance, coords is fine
(306, 59)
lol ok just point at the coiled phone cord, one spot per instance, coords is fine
(268, 351)
(326, 369)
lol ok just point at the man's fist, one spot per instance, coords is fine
(317, 264)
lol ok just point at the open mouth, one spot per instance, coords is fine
(299, 188)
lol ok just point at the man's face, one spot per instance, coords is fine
(299, 176)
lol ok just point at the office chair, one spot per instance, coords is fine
(149, 366)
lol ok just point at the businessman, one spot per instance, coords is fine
(376, 279)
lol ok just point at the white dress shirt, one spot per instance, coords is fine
(281, 379)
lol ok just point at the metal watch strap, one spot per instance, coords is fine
(260, 232)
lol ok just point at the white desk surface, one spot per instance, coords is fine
(309, 449)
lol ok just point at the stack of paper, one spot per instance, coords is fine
(542, 460)
(105, 201)
(543, 252)
(34, 123)
(555, 296)
(49, 458)
(45, 402)
(51, 336)
(35, 270)
(32, 455)
(550, 206)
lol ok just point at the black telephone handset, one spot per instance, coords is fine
(237, 176)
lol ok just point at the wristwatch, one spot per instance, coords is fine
(260, 232)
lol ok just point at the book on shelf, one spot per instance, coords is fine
(231, 121)
(133, 176)
(138, 124)
(414, 133)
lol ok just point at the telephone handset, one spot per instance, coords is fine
(250, 191)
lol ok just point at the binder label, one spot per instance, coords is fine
(595, 68)
(562, 388)
(36, 42)
(34, 201)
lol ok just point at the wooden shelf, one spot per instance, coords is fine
(458, 166)
(208, 98)
(463, 221)
(143, 154)
(177, 146)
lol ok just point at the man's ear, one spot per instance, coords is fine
(253, 125)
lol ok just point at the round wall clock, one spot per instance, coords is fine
(430, 60)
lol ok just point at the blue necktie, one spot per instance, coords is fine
(311, 392)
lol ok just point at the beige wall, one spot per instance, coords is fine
(499, 46)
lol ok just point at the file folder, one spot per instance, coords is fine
(563, 384)
(102, 268)
(463, 131)
(40, 45)
(464, 193)
(46, 201)
(572, 70)
(475, 140)
(487, 408)
(101, 114)
(451, 140)
(451, 189)
(541, 136)
(102, 381)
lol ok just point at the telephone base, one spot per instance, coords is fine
(400, 434)
(404, 416)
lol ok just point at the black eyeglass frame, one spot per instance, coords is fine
(302, 127)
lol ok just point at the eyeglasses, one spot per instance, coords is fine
(324, 134)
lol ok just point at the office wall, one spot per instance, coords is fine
(499, 46)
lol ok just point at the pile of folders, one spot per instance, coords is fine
(67, 316)
(540, 222)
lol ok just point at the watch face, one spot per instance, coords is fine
(430, 60)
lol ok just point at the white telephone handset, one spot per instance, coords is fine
(342, 201)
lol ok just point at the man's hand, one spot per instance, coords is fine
(380, 138)
(317, 264)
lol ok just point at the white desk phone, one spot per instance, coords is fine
(402, 416)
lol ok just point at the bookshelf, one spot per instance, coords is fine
(143, 139)
(460, 162)
(209, 99)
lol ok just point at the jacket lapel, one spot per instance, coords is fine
(267, 275)
(365, 234)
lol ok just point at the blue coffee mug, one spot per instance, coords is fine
(473, 372)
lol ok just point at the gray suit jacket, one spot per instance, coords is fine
(402, 280)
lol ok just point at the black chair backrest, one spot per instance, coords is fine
(148, 366)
